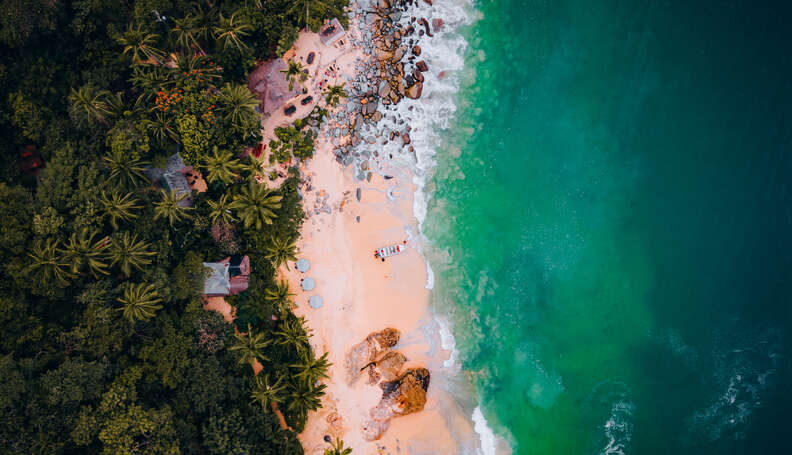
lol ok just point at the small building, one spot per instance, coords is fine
(270, 85)
(227, 277)
(173, 177)
(331, 32)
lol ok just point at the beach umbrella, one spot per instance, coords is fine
(315, 301)
(303, 265)
(308, 284)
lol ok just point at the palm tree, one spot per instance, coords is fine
(304, 397)
(186, 32)
(118, 108)
(139, 43)
(151, 78)
(188, 64)
(230, 31)
(221, 209)
(238, 103)
(292, 332)
(305, 9)
(337, 448)
(140, 302)
(334, 93)
(203, 22)
(127, 251)
(265, 393)
(250, 346)
(251, 167)
(161, 127)
(170, 208)
(88, 104)
(311, 369)
(82, 250)
(255, 204)
(280, 295)
(118, 206)
(47, 261)
(281, 251)
(221, 165)
(294, 71)
(126, 171)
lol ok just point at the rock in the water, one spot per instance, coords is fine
(376, 117)
(385, 89)
(402, 396)
(406, 138)
(414, 91)
(422, 66)
(416, 50)
(399, 54)
(437, 24)
(367, 350)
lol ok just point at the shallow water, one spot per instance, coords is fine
(610, 216)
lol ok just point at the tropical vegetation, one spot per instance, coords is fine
(105, 346)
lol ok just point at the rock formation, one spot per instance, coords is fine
(402, 396)
(367, 351)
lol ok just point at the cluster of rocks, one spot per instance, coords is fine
(403, 392)
(390, 71)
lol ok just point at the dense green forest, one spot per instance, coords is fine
(105, 346)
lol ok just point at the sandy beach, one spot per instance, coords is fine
(347, 220)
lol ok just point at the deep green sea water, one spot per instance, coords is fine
(615, 199)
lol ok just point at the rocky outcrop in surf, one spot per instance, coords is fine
(389, 73)
(402, 392)
(402, 396)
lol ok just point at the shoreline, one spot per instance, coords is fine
(361, 294)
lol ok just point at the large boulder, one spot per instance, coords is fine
(414, 91)
(399, 54)
(402, 396)
(367, 351)
(387, 368)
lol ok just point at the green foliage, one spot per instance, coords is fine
(188, 277)
(294, 72)
(280, 295)
(288, 37)
(128, 252)
(119, 207)
(126, 170)
(292, 142)
(28, 117)
(230, 31)
(170, 207)
(84, 250)
(282, 250)
(334, 93)
(266, 392)
(193, 137)
(255, 205)
(337, 448)
(73, 382)
(250, 346)
(139, 302)
(221, 166)
(311, 369)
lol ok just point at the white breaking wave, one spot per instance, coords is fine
(428, 118)
(487, 437)
(618, 428)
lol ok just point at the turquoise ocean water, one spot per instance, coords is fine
(614, 200)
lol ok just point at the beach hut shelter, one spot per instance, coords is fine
(308, 284)
(218, 282)
(270, 86)
(315, 301)
(331, 32)
(303, 265)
